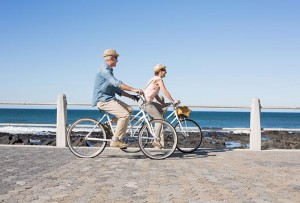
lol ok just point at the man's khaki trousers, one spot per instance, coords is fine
(120, 110)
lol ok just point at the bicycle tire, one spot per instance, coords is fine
(168, 140)
(190, 137)
(82, 146)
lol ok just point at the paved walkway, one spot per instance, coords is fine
(49, 174)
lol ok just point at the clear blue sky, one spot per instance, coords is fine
(218, 52)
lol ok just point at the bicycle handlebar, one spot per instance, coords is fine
(174, 104)
(142, 97)
(138, 97)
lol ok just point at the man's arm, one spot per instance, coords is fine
(135, 98)
(125, 87)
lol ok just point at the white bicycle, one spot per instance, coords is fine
(88, 137)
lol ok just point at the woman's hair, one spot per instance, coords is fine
(156, 72)
(158, 68)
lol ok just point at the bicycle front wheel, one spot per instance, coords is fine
(167, 139)
(86, 138)
(189, 135)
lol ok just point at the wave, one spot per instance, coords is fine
(26, 130)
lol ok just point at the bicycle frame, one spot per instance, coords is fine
(135, 123)
(176, 119)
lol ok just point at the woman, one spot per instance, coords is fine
(157, 109)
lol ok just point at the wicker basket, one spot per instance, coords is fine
(183, 111)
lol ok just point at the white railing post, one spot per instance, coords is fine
(61, 121)
(255, 125)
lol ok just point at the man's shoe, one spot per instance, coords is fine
(157, 144)
(118, 144)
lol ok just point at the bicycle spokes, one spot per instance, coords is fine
(158, 131)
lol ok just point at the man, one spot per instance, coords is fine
(105, 88)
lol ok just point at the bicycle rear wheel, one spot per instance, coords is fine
(189, 135)
(167, 135)
(86, 138)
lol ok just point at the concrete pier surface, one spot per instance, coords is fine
(51, 174)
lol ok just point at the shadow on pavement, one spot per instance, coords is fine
(200, 153)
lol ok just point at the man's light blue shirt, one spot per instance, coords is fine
(106, 85)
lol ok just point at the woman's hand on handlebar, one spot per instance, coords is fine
(176, 102)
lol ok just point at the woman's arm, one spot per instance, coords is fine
(165, 91)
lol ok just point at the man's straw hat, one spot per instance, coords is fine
(110, 52)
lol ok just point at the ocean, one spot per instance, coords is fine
(206, 119)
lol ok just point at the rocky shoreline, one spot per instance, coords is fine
(211, 139)
(270, 140)
(28, 139)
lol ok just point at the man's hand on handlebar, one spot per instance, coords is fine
(138, 91)
(135, 98)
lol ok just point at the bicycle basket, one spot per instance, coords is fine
(183, 111)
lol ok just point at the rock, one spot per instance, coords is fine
(26, 142)
(5, 139)
(15, 140)
(51, 142)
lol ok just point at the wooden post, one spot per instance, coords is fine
(61, 121)
(255, 125)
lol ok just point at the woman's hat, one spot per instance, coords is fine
(158, 67)
(110, 52)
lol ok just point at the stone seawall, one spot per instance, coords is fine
(211, 139)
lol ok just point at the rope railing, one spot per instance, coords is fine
(190, 106)
(207, 106)
(27, 124)
(28, 103)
